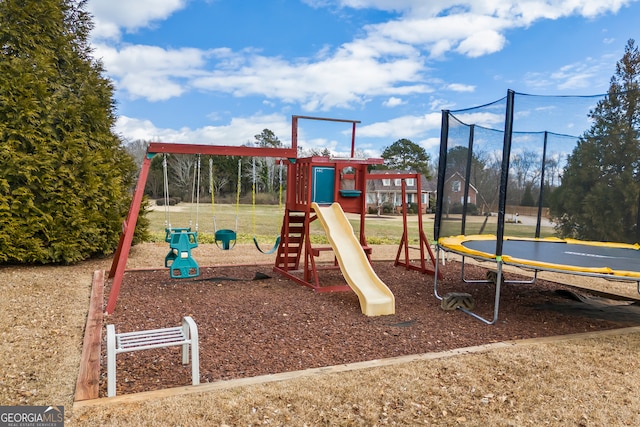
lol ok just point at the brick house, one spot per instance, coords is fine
(388, 191)
(454, 189)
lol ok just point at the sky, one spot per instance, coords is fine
(221, 71)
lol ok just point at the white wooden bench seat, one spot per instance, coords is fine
(185, 335)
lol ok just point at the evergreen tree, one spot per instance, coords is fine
(599, 195)
(527, 197)
(406, 155)
(64, 175)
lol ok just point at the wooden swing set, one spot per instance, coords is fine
(189, 239)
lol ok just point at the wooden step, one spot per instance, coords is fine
(296, 230)
(296, 219)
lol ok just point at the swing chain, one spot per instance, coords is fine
(165, 173)
(195, 192)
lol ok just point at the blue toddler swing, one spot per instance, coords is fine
(179, 261)
(225, 239)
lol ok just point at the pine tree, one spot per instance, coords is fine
(64, 175)
(599, 195)
(406, 155)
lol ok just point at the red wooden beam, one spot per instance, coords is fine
(327, 119)
(221, 150)
(372, 176)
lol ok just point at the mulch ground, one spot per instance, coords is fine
(254, 327)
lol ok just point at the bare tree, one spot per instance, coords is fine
(181, 175)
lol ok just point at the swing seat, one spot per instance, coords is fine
(224, 238)
(179, 260)
(270, 251)
(171, 231)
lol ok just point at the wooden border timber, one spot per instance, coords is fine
(87, 386)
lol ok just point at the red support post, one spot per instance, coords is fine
(120, 260)
(422, 238)
(353, 140)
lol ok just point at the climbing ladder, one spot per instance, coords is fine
(294, 228)
(295, 258)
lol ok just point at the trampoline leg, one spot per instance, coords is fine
(435, 275)
(467, 280)
(496, 302)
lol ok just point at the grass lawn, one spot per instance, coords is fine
(265, 222)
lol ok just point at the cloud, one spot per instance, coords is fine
(527, 10)
(438, 104)
(151, 72)
(402, 127)
(574, 76)
(389, 59)
(481, 43)
(459, 87)
(110, 16)
(237, 131)
(351, 76)
(393, 102)
(471, 28)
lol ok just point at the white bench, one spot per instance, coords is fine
(185, 335)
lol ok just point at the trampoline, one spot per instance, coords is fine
(601, 259)
(606, 260)
(473, 184)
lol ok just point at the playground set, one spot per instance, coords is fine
(318, 188)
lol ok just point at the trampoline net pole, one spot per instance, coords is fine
(504, 171)
(442, 166)
(467, 180)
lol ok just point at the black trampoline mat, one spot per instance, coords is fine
(562, 253)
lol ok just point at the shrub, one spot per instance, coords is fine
(456, 208)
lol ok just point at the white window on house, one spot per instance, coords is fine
(462, 200)
(410, 198)
(455, 186)
(411, 182)
(386, 182)
(425, 198)
(397, 182)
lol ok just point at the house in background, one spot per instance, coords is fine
(388, 191)
(454, 188)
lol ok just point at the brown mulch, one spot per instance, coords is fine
(255, 327)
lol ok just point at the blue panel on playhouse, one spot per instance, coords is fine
(323, 184)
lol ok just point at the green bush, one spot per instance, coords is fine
(172, 201)
(456, 208)
(66, 178)
(388, 208)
